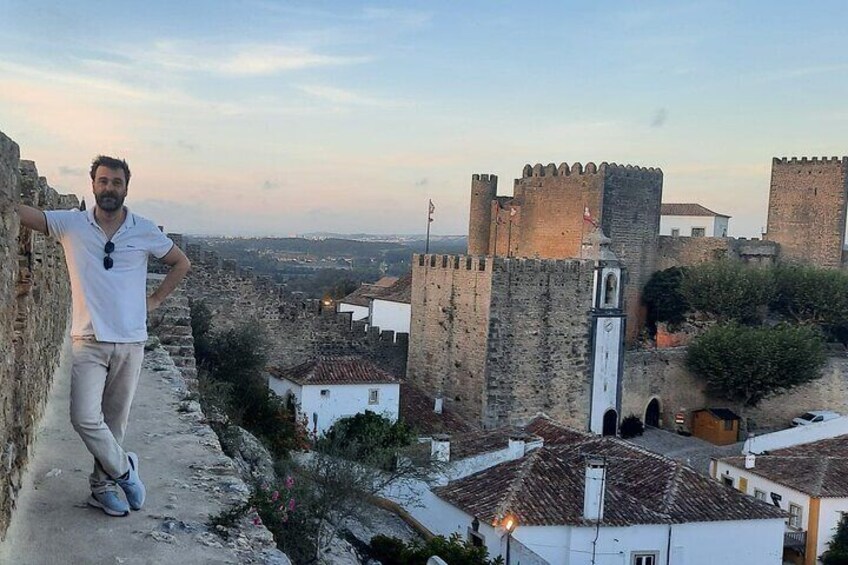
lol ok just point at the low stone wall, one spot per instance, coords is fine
(685, 251)
(662, 374)
(34, 314)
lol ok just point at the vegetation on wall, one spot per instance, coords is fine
(837, 548)
(230, 364)
(663, 297)
(453, 550)
(746, 364)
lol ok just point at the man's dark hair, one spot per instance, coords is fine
(111, 163)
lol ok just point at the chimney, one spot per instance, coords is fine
(517, 446)
(593, 493)
(439, 404)
(440, 448)
(750, 460)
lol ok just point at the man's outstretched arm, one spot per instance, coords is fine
(180, 266)
(32, 218)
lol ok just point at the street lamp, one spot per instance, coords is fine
(509, 524)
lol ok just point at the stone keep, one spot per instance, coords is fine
(554, 207)
(806, 214)
(502, 339)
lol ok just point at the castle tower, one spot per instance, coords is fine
(484, 189)
(608, 328)
(807, 209)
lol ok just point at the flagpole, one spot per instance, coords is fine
(429, 221)
(497, 222)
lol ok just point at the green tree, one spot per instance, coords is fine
(453, 550)
(663, 296)
(746, 364)
(366, 438)
(837, 548)
(809, 295)
(729, 290)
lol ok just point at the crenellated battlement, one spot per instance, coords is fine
(551, 170)
(810, 161)
(454, 262)
(484, 177)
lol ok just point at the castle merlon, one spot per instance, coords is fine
(484, 177)
(551, 170)
(809, 160)
(500, 264)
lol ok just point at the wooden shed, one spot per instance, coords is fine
(716, 425)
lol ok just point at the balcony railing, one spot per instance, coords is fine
(795, 540)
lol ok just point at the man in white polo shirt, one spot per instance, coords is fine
(106, 249)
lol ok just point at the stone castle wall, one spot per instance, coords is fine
(807, 209)
(538, 357)
(545, 218)
(448, 339)
(685, 251)
(503, 340)
(34, 314)
(662, 374)
(296, 330)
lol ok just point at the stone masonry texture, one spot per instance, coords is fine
(687, 251)
(806, 214)
(295, 330)
(503, 339)
(34, 314)
(544, 218)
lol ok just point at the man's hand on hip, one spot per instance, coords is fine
(153, 303)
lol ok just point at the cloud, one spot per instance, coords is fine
(72, 171)
(347, 97)
(659, 119)
(243, 60)
(422, 182)
(410, 18)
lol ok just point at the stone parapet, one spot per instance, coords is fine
(34, 315)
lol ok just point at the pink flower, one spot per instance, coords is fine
(275, 495)
(289, 482)
(265, 486)
(291, 505)
(257, 521)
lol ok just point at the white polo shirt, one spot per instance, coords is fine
(109, 305)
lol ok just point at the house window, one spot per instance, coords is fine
(759, 495)
(675, 232)
(374, 396)
(795, 515)
(728, 481)
(643, 558)
(699, 232)
(728, 425)
(325, 392)
(476, 538)
(743, 484)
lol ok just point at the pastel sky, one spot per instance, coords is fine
(265, 117)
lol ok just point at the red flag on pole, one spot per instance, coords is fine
(587, 216)
(432, 209)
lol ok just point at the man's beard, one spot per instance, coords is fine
(109, 201)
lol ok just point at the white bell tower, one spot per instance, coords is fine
(608, 325)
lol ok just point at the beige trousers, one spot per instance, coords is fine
(104, 377)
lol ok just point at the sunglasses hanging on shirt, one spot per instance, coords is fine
(108, 263)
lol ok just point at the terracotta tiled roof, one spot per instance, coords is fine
(401, 291)
(470, 444)
(545, 487)
(340, 370)
(690, 209)
(387, 288)
(416, 410)
(819, 468)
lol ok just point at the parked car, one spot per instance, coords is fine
(814, 417)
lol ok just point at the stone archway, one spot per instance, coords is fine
(610, 423)
(652, 413)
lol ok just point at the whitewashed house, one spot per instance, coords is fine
(392, 310)
(572, 498)
(328, 389)
(809, 482)
(358, 302)
(692, 220)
